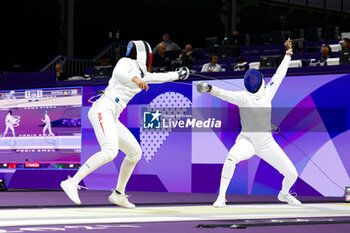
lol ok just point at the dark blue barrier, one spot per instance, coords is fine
(28, 80)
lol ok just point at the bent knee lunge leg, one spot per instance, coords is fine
(277, 158)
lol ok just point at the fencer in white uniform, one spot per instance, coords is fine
(47, 126)
(129, 77)
(255, 136)
(9, 121)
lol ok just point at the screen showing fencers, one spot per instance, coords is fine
(40, 128)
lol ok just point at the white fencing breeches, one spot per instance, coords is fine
(9, 126)
(112, 135)
(270, 151)
(47, 127)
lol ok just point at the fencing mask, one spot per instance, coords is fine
(141, 52)
(253, 80)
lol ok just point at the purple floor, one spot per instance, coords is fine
(92, 197)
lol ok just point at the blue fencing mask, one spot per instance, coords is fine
(253, 80)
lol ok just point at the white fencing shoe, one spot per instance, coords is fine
(71, 190)
(120, 199)
(289, 199)
(220, 202)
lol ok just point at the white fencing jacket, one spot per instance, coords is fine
(120, 87)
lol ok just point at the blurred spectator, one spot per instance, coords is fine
(241, 64)
(170, 45)
(213, 65)
(188, 56)
(326, 52)
(162, 61)
(345, 44)
(60, 73)
(105, 61)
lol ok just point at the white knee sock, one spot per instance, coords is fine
(94, 162)
(226, 176)
(125, 172)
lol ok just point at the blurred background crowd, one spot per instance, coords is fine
(205, 35)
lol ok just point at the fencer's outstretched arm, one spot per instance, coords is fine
(234, 97)
(161, 77)
(181, 74)
(277, 78)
